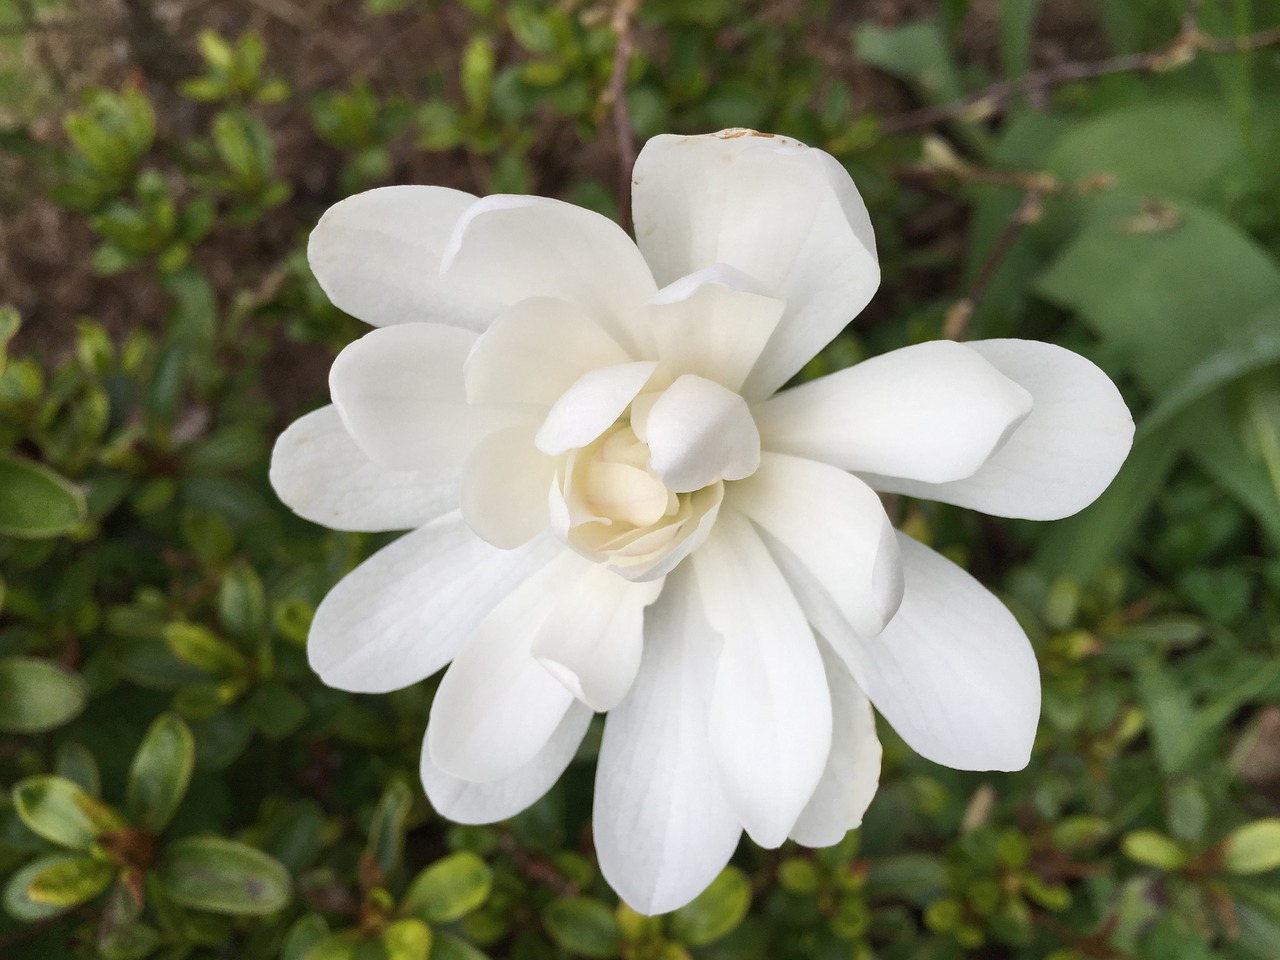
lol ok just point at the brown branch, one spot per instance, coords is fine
(615, 99)
(956, 324)
(1189, 42)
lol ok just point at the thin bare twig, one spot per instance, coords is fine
(1189, 42)
(615, 99)
(956, 324)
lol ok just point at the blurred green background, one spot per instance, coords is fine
(1098, 173)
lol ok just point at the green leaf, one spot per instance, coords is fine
(1201, 278)
(62, 813)
(477, 73)
(202, 648)
(916, 52)
(70, 882)
(160, 773)
(35, 502)
(242, 603)
(716, 912)
(450, 888)
(16, 902)
(1153, 849)
(38, 695)
(306, 932)
(223, 876)
(583, 926)
(1253, 848)
(386, 832)
(407, 939)
(1017, 28)
(449, 947)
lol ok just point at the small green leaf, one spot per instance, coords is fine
(62, 813)
(70, 882)
(200, 647)
(1253, 848)
(242, 603)
(223, 876)
(38, 695)
(1153, 849)
(16, 902)
(477, 72)
(407, 939)
(450, 888)
(306, 932)
(716, 912)
(161, 773)
(35, 502)
(386, 832)
(449, 947)
(583, 926)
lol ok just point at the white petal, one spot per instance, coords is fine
(377, 255)
(933, 411)
(591, 641)
(1061, 457)
(591, 406)
(497, 706)
(770, 710)
(783, 213)
(835, 525)
(853, 770)
(514, 248)
(400, 392)
(464, 801)
(663, 829)
(713, 324)
(953, 672)
(534, 351)
(321, 475)
(698, 432)
(504, 487)
(402, 614)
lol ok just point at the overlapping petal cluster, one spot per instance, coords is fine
(615, 506)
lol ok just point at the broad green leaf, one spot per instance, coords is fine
(407, 939)
(35, 502)
(916, 52)
(62, 813)
(38, 695)
(449, 889)
(70, 882)
(223, 876)
(1164, 301)
(715, 912)
(1197, 140)
(1253, 848)
(306, 932)
(16, 902)
(583, 926)
(160, 773)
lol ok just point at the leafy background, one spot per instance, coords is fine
(178, 784)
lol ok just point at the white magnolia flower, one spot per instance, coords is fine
(614, 509)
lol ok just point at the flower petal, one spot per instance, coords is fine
(698, 432)
(591, 641)
(663, 829)
(505, 484)
(464, 801)
(518, 247)
(953, 672)
(835, 525)
(783, 213)
(377, 256)
(713, 323)
(497, 706)
(534, 351)
(853, 769)
(1058, 460)
(321, 475)
(770, 719)
(933, 411)
(402, 614)
(591, 406)
(400, 392)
